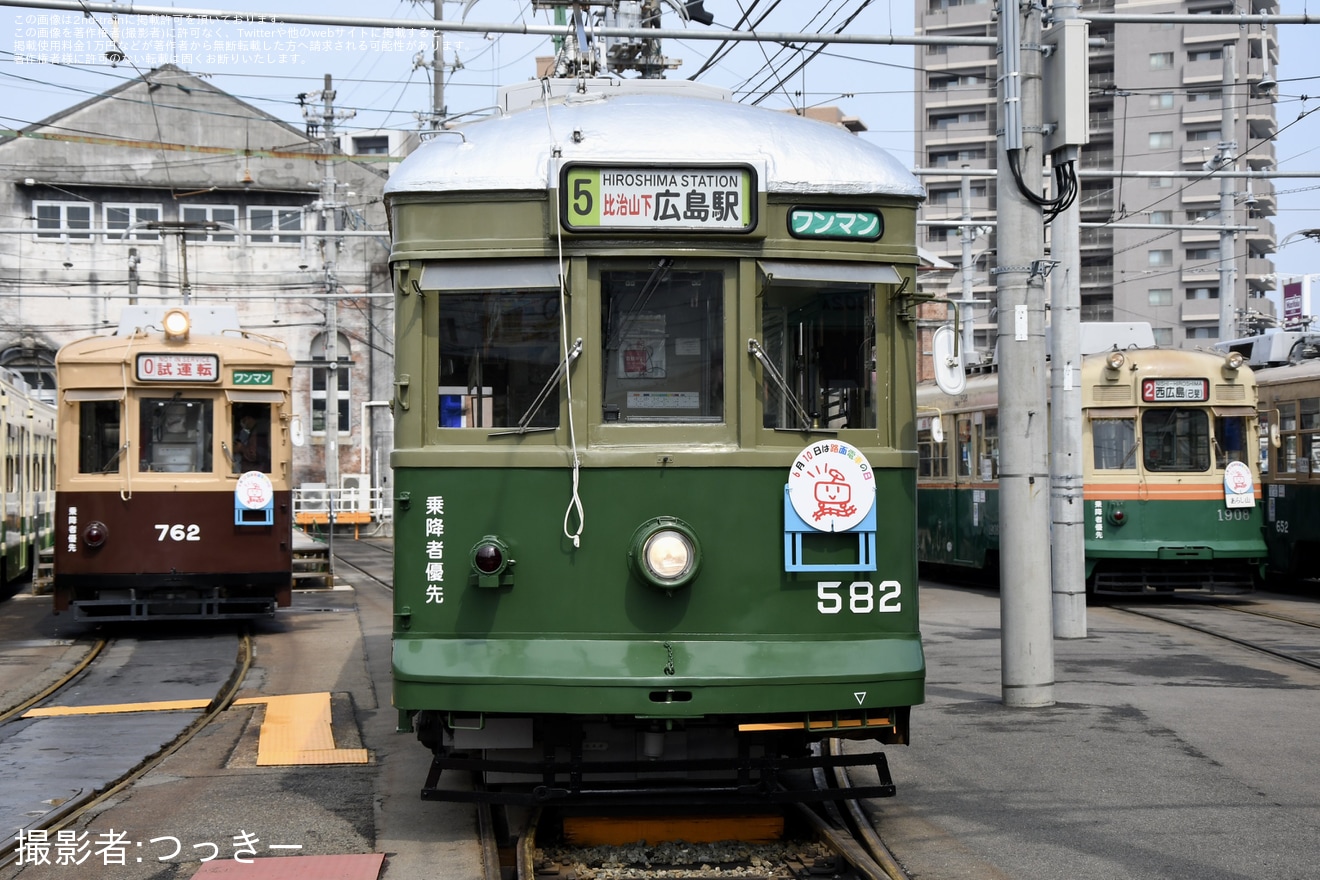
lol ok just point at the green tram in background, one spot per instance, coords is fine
(1287, 367)
(1170, 478)
(654, 464)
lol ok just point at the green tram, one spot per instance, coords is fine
(1287, 367)
(1170, 479)
(655, 467)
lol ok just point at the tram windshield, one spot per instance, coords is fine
(821, 338)
(498, 351)
(175, 434)
(663, 332)
(1175, 439)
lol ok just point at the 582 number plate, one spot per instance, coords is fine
(861, 597)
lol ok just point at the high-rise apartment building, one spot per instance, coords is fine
(1158, 93)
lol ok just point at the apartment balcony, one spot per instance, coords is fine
(1096, 276)
(1096, 240)
(1260, 271)
(1200, 236)
(1199, 275)
(1199, 310)
(955, 16)
(1203, 112)
(1264, 238)
(1262, 156)
(1261, 121)
(1199, 152)
(1200, 73)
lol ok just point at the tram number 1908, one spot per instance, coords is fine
(862, 597)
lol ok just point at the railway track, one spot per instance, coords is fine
(1287, 633)
(74, 725)
(835, 839)
(371, 560)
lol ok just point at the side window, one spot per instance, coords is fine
(1114, 444)
(250, 450)
(662, 332)
(990, 447)
(966, 445)
(932, 456)
(821, 340)
(175, 434)
(1288, 430)
(98, 437)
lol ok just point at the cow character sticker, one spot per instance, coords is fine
(831, 486)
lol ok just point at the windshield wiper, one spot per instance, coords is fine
(754, 348)
(544, 393)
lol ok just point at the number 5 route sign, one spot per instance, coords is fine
(632, 198)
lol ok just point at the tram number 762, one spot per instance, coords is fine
(862, 597)
(178, 532)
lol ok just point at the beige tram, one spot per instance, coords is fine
(173, 496)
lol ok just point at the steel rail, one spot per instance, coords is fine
(73, 809)
(1282, 655)
(63, 681)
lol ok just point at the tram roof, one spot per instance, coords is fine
(524, 150)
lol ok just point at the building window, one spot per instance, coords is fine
(1163, 336)
(1203, 135)
(321, 382)
(1203, 293)
(222, 214)
(372, 145)
(1200, 215)
(1162, 101)
(262, 221)
(127, 218)
(1206, 253)
(1161, 140)
(1201, 55)
(53, 218)
(1159, 258)
(1160, 296)
(1204, 97)
(1161, 183)
(1161, 218)
(1161, 60)
(1203, 333)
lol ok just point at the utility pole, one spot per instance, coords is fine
(1026, 639)
(1067, 75)
(968, 270)
(438, 109)
(330, 222)
(1227, 238)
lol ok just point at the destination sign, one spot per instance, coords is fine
(178, 368)
(1175, 390)
(658, 199)
(835, 224)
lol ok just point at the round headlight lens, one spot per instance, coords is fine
(1235, 360)
(177, 323)
(1115, 360)
(668, 555)
(665, 553)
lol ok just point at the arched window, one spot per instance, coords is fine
(35, 363)
(323, 376)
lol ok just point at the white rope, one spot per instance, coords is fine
(575, 502)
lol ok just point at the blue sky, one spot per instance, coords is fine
(382, 83)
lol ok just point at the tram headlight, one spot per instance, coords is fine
(95, 533)
(1234, 361)
(1115, 360)
(491, 562)
(177, 324)
(665, 553)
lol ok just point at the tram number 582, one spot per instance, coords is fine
(178, 532)
(862, 597)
